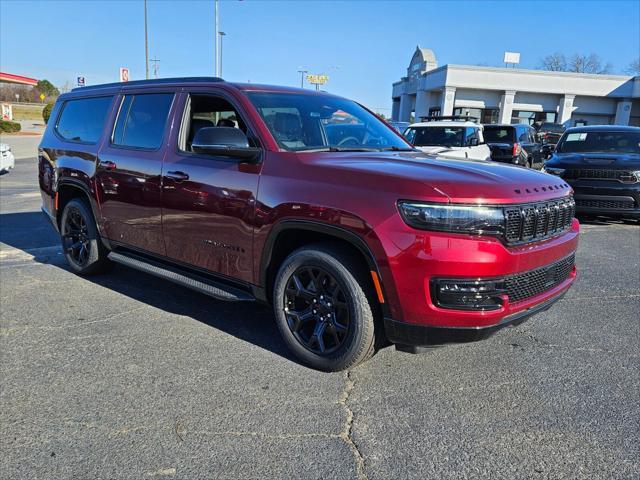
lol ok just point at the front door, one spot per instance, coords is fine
(128, 177)
(208, 202)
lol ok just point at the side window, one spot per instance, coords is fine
(207, 111)
(82, 120)
(142, 119)
(524, 137)
(471, 134)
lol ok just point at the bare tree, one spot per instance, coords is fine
(588, 64)
(556, 62)
(633, 68)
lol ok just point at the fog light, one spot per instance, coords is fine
(469, 294)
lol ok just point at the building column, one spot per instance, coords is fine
(422, 104)
(395, 109)
(565, 109)
(447, 101)
(623, 112)
(506, 106)
(405, 108)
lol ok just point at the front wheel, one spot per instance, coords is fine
(322, 310)
(81, 242)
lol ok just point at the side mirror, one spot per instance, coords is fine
(225, 142)
(546, 151)
(474, 142)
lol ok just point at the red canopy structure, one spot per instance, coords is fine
(19, 79)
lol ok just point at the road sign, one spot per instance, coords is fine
(124, 74)
(42, 97)
(81, 81)
(512, 57)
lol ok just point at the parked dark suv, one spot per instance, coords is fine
(517, 144)
(239, 192)
(602, 164)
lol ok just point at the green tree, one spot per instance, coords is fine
(46, 112)
(46, 87)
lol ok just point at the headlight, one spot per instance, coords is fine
(553, 171)
(453, 218)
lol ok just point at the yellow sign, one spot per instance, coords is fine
(42, 96)
(318, 79)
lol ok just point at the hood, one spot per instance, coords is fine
(414, 175)
(595, 160)
(4, 146)
(433, 149)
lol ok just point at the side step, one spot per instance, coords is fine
(194, 282)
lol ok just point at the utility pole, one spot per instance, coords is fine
(302, 74)
(216, 63)
(155, 61)
(220, 35)
(146, 43)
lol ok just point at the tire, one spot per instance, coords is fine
(302, 308)
(81, 244)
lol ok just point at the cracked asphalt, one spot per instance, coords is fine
(126, 376)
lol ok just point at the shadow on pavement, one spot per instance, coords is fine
(603, 220)
(250, 322)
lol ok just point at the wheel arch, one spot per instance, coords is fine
(289, 235)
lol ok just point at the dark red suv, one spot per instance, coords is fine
(307, 201)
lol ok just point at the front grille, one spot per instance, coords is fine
(599, 174)
(534, 282)
(537, 221)
(607, 204)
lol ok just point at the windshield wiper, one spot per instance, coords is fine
(353, 149)
(397, 149)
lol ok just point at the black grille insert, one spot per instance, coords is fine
(606, 204)
(599, 174)
(537, 221)
(534, 282)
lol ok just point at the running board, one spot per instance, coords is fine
(194, 282)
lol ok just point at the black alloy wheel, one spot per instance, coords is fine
(316, 310)
(75, 237)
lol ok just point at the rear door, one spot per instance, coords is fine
(128, 178)
(208, 201)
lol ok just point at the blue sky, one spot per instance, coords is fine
(364, 46)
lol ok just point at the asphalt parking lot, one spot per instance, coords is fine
(126, 376)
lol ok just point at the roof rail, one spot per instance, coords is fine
(153, 81)
(433, 118)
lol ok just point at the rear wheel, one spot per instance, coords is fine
(322, 310)
(81, 243)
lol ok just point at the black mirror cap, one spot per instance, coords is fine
(225, 141)
(474, 142)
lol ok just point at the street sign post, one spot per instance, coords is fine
(42, 97)
(81, 81)
(124, 74)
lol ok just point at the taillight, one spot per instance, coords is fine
(516, 149)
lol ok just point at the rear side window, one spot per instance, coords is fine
(499, 134)
(141, 120)
(82, 120)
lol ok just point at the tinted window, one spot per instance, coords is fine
(499, 134)
(436, 136)
(142, 119)
(322, 122)
(82, 120)
(614, 142)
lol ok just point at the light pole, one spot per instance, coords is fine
(146, 43)
(302, 74)
(216, 34)
(220, 35)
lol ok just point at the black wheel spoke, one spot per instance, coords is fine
(75, 237)
(316, 309)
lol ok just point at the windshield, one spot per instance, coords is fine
(436, 136)
(552, 127)
(300, 122)
(603, 142)
(499, 134)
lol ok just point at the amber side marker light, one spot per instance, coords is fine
(376, 284)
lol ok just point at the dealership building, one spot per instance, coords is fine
(513, 95)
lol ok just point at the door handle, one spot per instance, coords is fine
(108, 165)
(177, 175)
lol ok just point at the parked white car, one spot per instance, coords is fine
(7, 160)
(449, 138)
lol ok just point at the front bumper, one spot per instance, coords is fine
(407, 335)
